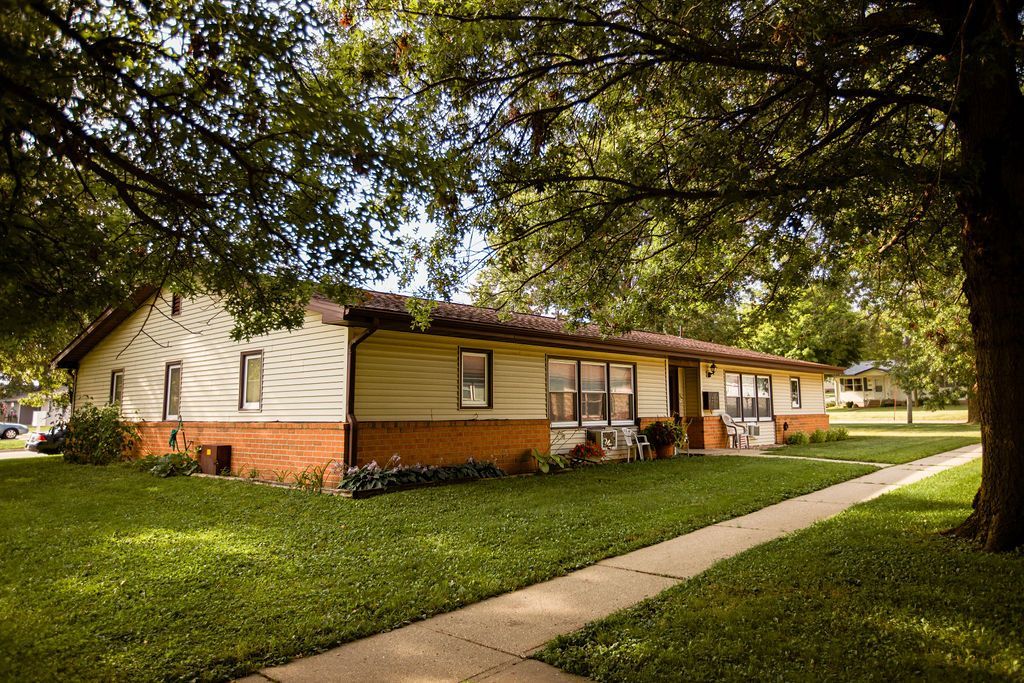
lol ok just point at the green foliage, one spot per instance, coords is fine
(98, 436)
(177, 464)
(372, 476)
(196, 145)
(878, 579)
(547, 460)
(154, 557)
(311, 479)
(663, 433)
(817, 436)
(797, 439)
(837, 434)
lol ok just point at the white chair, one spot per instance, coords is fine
(637, 440)
(738, 436)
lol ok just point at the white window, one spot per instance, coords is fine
(172, 391)
(622, 393)
(116, 386)
(593, 393)
(794, 392)
(748, 397)
(475, 379)
(733, 395)
(562, 392)
(251, 383)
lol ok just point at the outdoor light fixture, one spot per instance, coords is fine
(711, 370)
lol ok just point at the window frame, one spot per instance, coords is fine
(606, 393)
(167, 388)
(243, 380)
(114, 374)
(488, 354)
(798, 401)
(579, 423)
(576, 391)
(757, 416)
(632, 395)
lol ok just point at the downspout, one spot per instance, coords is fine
(351, 451)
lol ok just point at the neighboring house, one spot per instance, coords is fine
(357, 384)
(15, 409)
(869, 384)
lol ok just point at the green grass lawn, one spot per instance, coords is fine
(11, 444)
(889, 443)
(951, 414)
(109, 573)
(873, 594)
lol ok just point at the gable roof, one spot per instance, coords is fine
(864, 366)
(457, 318)
(386, 310)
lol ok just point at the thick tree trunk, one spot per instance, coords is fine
(989, 115)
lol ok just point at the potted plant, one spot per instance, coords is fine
(663, 437)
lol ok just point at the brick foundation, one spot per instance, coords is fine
(449, 442)
(274, 449)
(798, 423)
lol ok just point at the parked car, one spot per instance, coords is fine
(50, 442)
(10, 430)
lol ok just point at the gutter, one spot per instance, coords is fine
(351, 440)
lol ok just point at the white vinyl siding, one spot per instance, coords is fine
(304, 370)
(409, 376)
(812, 393)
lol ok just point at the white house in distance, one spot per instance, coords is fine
(867, 384)
(357, 383)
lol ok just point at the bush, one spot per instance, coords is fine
(373, 476)
(588, 451)
(98, 436)
(663, 433)
(849, 404)
(169, 465)
(838, 434)
(818, 436)
(797, 439)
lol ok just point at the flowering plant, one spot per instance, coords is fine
(588, 450)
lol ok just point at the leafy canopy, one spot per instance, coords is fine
(194, 145)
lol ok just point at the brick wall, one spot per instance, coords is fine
(449, 442)
(273, 448)
(798, 423)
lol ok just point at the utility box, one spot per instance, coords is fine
(215, 459)
(711, 400)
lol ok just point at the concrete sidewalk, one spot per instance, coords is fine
(490, 640)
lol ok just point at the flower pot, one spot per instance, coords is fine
(666, 451)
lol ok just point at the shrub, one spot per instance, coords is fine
(546, 460)
(818, 436)
(169, 465)
(373, 476)
(797, 439)
(663, 433)
(98, 436)
(849, 404)
(588, 451)
(838, 434)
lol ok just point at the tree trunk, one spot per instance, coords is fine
(972, 405)
(988, 115)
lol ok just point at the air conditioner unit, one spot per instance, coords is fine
(608, 439)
